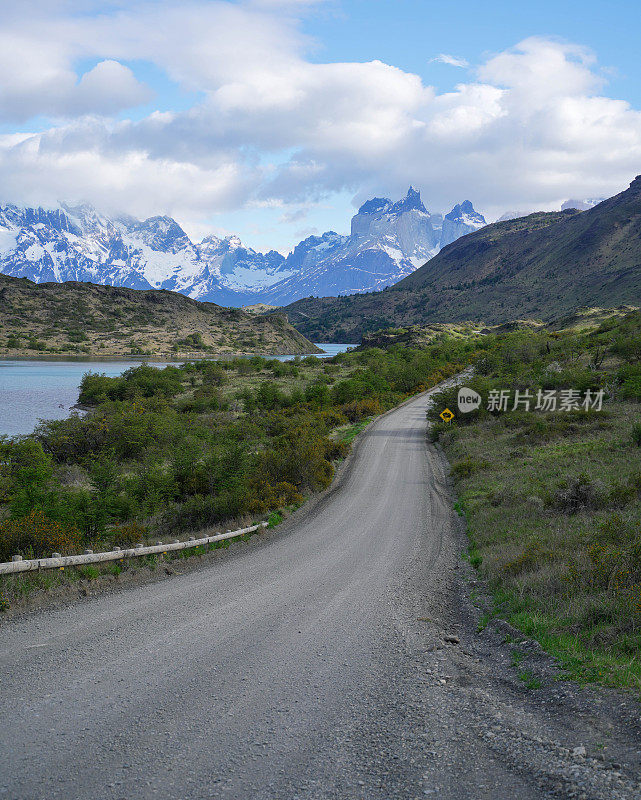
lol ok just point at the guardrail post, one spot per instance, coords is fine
(56, 555)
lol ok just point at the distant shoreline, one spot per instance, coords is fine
(179, 358)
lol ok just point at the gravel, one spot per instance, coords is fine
(336, 657)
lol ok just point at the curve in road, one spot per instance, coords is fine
(307, 666)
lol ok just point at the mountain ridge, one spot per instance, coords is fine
(387, 241)
(541, 265)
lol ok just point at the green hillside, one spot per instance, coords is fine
(84, 319)
(541, 266)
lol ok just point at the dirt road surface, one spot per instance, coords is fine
(336, 658)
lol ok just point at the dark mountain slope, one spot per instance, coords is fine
(541, 266)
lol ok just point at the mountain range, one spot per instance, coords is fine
(541, 265)
(387, 242)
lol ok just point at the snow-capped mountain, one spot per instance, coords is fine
(582, 205)
(462, 219)
(76, 243)
(387, 242)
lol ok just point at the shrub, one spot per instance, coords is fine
(636, 434)
(532, 554)
(213, 374)
(336, 450)
(621, 494)
(127, 535)
(362, 409)
(318, 394)
(466, 467)
(628, 348)
(37, 536)
(299, 458)
(143, 381)
(96, 389)
(615, 556)
(192, 340)
(333, 418)
(25, 473)
(577, 494)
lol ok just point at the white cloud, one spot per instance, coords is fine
(452, 61)
(36, 78)
(108, 87)
(529, 128)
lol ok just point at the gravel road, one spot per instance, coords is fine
(309, 663)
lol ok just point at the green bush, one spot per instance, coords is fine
(168, 448)
(466, 467)
(127, 536)
(577, 494)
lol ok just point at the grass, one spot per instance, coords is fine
(524, 675)
(349, 433)
(552, 501)
(541, 561)
(274, 519)
(530, 681)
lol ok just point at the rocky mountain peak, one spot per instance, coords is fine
(411, 202)
(162, 233)
(462, 219)
(465, 211)
(375, 206)
(56, 219)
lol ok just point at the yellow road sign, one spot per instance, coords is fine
(446, 415)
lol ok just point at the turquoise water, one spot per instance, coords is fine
(33, 390)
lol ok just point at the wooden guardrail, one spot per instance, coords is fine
(18, 564)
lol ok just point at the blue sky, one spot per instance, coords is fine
(407, 32)
(274, 119)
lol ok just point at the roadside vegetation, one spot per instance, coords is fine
(552, 499)
(170, 451)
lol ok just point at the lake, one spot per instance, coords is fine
(31, 390)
